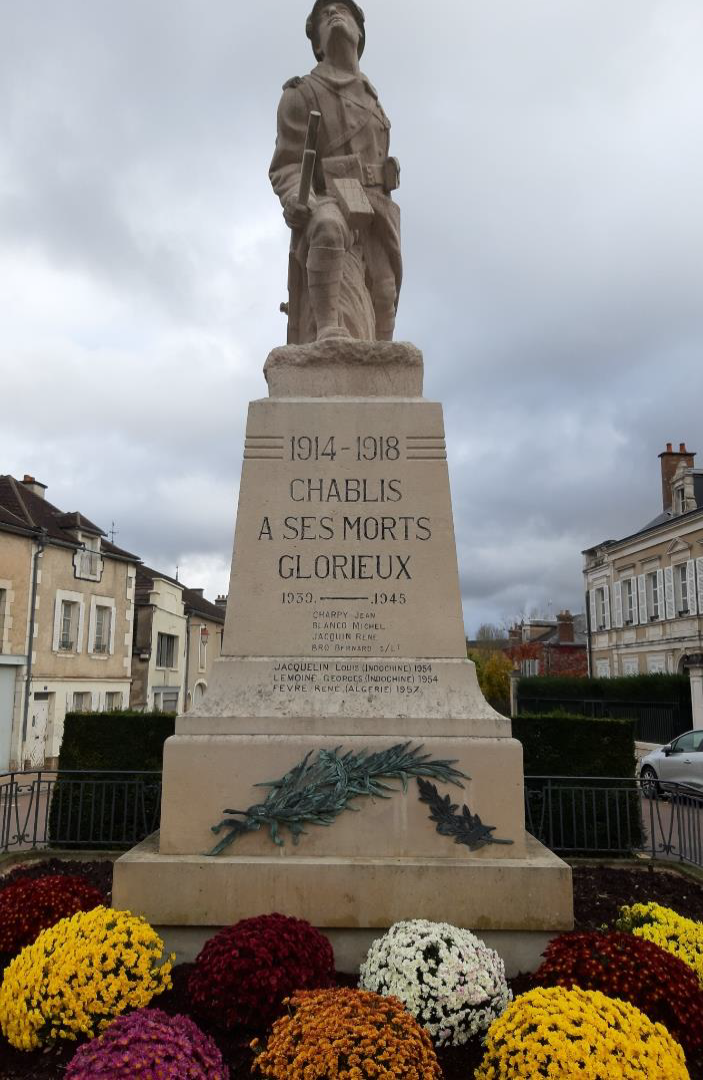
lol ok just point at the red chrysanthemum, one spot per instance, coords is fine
(30, 905)
(243, 973)
(628, 967)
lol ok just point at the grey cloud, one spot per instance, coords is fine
(553, 252)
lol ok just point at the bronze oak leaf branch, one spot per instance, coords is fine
(465, 827)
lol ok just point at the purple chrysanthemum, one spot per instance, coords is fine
(151, 1045)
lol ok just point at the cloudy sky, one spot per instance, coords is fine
(553, 243)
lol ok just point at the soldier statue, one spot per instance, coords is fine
(345, 264)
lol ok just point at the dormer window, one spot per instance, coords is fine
(87, 560)
(680, 500)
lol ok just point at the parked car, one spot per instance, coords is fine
(679, 762)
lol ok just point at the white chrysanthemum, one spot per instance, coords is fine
(447, 978)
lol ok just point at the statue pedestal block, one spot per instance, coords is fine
(344, 631)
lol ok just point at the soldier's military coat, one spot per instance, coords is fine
(353, 122)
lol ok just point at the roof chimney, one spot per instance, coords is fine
(35, 486)
(221, 602)
(198, 592)
(670, 461)
(565, 628)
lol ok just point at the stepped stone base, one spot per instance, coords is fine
(516, 897)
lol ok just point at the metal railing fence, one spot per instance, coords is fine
(601, 816)
(608, 816)
(96, 809)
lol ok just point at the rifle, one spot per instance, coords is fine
(309, 158)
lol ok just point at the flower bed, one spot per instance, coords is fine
(30, 905)
(78, 976)
(451, 982)
(599, 894)
(349, 1035)
(567, 1033)
(664, 927)
(243, 973)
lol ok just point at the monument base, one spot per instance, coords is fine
(516, 905)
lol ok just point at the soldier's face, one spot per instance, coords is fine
(336, 18)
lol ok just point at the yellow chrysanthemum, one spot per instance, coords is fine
(678, 935)
(567, 1033)
(79, 975)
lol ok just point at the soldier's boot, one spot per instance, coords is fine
(325, 266)
(384, 297)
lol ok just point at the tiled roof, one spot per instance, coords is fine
(21, 509)
(193, 602)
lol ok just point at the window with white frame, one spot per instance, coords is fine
(629, 601)
(656, 665)
(68, 630)
(202, 648)
(602, 608)
(603, 669)
(631, 665)
(166, 700)
(654, 599)
(82, 701)
(166, 645)
(113, 700)
(529, 667)
(681, 588)
(103, 628)
(69, 609)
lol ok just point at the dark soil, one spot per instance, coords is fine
(598, 893)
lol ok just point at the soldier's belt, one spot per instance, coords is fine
(385, 175)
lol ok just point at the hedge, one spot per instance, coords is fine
(645, 688)
(116, 811)
(564, 744)
(599, 818)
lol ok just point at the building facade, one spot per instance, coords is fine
(645, 591)
(66, 614)
(177, 637)
(550, 647)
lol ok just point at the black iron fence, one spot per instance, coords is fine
(605, 816)
(655, 722)
(599, 816)
(78, 809)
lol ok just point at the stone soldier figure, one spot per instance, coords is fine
(345, 265)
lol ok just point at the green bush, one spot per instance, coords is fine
(645, 688)
(603, 817)
(564, 744)
(99, 811)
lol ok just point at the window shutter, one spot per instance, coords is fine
(635, 605)
(617, 603)
(660, 594)
(594, 611)
(693, 606)
(606, 605)
(699, 568)
(642, 595)
(669, 592)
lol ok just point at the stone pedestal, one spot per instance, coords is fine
(344, 629)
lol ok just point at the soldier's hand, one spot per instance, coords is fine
(296, 215)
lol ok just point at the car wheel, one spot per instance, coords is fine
(650, 786)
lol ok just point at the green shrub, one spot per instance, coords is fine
(559, 743)
(645, 688)
(95, 810)
(600, 817)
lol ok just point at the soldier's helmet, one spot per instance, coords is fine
(311, 24)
